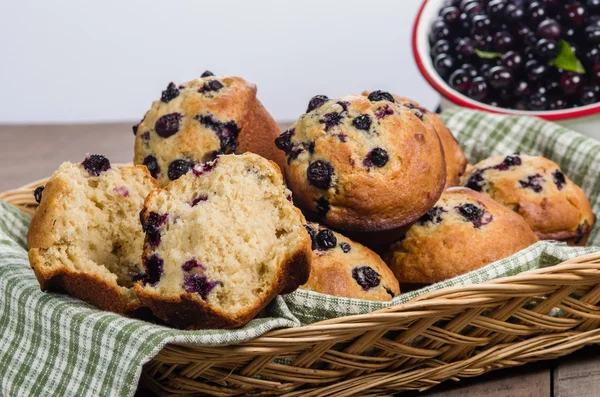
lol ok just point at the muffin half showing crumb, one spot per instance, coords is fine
(221, 242)
(85, 238)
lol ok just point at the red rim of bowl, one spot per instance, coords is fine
(472, 104)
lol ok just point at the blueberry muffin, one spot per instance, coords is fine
(536, 188)
(456, 161)
(342, 267)
(221, 243)
(464, 231)
(195, 121)
(85, 238)
(362, 163)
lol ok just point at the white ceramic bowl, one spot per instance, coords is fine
(585, 119)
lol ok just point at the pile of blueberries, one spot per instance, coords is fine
(504, 52)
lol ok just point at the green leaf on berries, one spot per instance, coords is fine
(487, 54)
(566, 59)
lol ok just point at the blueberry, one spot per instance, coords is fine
(37, 193)
(284, 141)
(322, 206)
(331, 120)
(316, 102)
(559, 179)
(326, 239)
(167, 125)
(211, 85)
(345, 247)
(199, 284)
(383, 112)
(135, 128)
(177, 168)
(362, 122)
(379, 95)
(95, 164)
(226, 131)
(509, 161)
(319, 174)
(151, 226)
(366, 277)
(441, 47)
(313, 235)
(154, 269)
(170, 93)
(198, 199)
(475, 181)
(377, 157)
(191, 264)
(472, 213)
(433, 215)
(533, 182)
(207, 73)
(152, 164)
(201, 169)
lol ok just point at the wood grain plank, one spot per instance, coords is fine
(578, 376)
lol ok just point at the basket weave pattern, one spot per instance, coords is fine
(448, 334)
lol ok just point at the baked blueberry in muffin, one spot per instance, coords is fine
(221, 242)
(464, 231)
(353, 162)
(195, 121)
(536, 188)
(345, 268)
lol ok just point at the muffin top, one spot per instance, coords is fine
(345, 268)
(465, 230)
(363, 163)
(192, 123)
(536, 188)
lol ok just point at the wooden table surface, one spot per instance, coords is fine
(30, 152)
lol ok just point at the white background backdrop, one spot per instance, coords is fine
(77, 61)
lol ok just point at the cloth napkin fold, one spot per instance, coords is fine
(54, 345)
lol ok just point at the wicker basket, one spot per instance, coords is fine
(448, 334)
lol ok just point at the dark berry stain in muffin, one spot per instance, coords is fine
(319, 174)
(434, 215)
(151, 226)
(284, 141)
(135, 128)
(226, 131)
(344, 105)
(194, 202)
(331, 120)
(168, 125)
(145, 136)
(559, 179)
(509, 161)
(417, 111)
(342, 137)
(211, 85)
(191, 264)
(170, 93)
(476, 181)
(533, 182)
(201, 169)
(313, 235)
(582, 230)
(366, 277)
(345, 247)
(154, 269)
(316, 102)
(207, 73)
(152, 164)
(379, 95)
(383, 112)
(122, 190)
(326, 239)
(199, 284)
(95, 164)
(474, 214)
(377, 157)
(322, 206)
(362, 122)
(37, 193)
(179, 167)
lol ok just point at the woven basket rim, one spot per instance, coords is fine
(582, 266)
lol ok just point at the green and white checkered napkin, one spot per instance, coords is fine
(55, 345)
